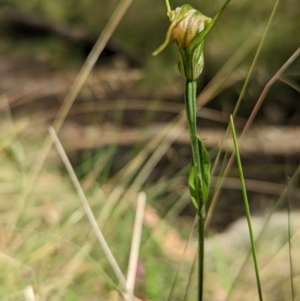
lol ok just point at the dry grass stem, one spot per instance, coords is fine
(136, 240)
(88, 210)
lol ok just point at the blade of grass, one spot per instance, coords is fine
(293, 180)
(89, 212)
(289, 240)
(136, 240)
(247, 209)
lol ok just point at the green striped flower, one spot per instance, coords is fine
(186, 27)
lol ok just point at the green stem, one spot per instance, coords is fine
(190, 106)
(247, 209)
(191, 110)
(201, 256)
(168, 5)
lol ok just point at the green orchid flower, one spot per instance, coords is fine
(188, 28)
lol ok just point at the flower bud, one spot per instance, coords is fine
(188, 22)
(186, 27)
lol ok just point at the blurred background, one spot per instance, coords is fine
(123, 134)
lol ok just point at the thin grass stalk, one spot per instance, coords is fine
(247, 209)
(89, 213)
(290, 243)
(279, 203)
(136, 240)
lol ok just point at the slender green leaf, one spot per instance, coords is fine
(200, 37)
(205, 170)
(247, 209)
(204, 179)
(192, 185)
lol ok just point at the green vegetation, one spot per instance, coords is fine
(122, 140)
